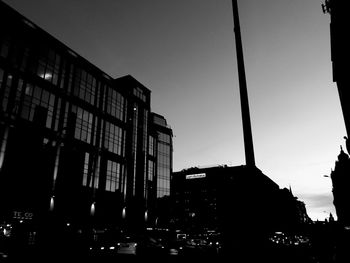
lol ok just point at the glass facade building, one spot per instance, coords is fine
(74, 141)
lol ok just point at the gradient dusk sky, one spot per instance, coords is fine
(184, 52)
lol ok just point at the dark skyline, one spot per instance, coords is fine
(184, 52)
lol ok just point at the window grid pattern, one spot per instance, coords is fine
(150, 170)
(83, 126)
(134, 144)
(85, 86)
(145, 131)
(139, 94)
(116, 104)
(86, 170)
(112, 176)
(151, 149)
(35, 96)
(163, 165)
(160, 121)
(48, 65)
(114, 139)
(96, 172)
(149, 182)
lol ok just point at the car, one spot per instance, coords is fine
(127, 245)
(175, 247)
(151, 246)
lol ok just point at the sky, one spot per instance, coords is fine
(184, 52)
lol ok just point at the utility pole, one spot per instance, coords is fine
(247, 129)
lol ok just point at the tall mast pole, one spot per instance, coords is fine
(247, 129)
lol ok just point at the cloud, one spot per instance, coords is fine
(318, 200)
(318, 205)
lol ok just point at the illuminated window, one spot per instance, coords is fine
(114, 139)
(48, 65)
(91, 172)
(83, 126)
(35, 96)
(151, 147)
(150, 170)
(86, 170)
(112, 176)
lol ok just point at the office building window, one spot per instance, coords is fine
(83, 126)
(85, 86)
(139, 94)
(96, 172)
(91, 172)
(150, 170)
(151, 147)
(86, 170)
(165, 138)
(163, 165)
(112, 176)
(145, 131)
(135, 129)
(34, 97)
(149, 180)
(114, 138)
(48, 65)
(116, 104)
(160, 121)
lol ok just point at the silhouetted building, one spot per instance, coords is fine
(341, 182)
(75, 143)
(240, 202)
(340, 54)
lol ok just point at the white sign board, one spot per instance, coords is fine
(195, 176)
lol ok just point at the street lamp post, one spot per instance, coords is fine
(247, 130)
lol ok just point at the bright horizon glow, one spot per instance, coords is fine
(184, 52)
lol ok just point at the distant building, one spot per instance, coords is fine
(240, 202)
(75, 143)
